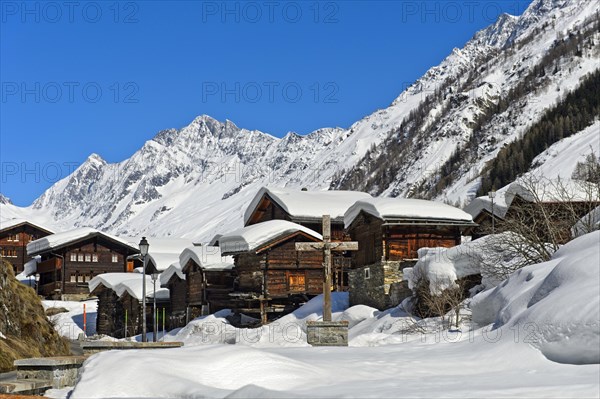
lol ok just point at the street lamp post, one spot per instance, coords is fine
(144, 245)
(155, 323)
(492, 195)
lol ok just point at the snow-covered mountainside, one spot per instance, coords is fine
(196, 181)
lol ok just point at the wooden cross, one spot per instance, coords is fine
(327, 246)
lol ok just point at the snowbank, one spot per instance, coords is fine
(443, 266)
(70, 324)
(557, 302)
(402, 208)
(252, 237)
(289, 330)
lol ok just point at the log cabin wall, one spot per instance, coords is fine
(380, 242)
(268, 209)
(368, 232)
(403, 242)
(178, 296)
(194, 284)
(110, 309)
(207, 287)
(133, 307)
(13, 244)
(288, 272)
(219, 284)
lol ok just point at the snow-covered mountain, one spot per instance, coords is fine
(197, 181)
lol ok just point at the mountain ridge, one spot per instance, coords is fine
(195, 181)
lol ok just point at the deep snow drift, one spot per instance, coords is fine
(543, 316)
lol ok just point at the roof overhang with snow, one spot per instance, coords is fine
(11, 224)
(259, 237)
(303, 206)
(207, 257)
(400, 211)
(77, 237)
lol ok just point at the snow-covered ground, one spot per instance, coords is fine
(535, 335)
(70, 324)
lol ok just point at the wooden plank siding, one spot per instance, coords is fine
(206, 288)
(75, 265)
(379, 241)
(13, 244)
(280, 263)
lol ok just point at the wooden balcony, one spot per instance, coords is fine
(49, 265)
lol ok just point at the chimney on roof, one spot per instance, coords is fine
(304, 189)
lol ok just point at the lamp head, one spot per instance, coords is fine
(144, 245)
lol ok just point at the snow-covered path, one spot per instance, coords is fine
(482, 368)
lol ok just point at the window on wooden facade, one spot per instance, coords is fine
(9, 253)
(74, 278)
(115, 258)
(94, 257)
(367, 273)
(73, 257)
(13, 237)
(297, 282)
(88, 257)
(79, 257)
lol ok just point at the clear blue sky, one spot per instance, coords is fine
(103, 77)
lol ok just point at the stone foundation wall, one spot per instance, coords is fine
(382, 287)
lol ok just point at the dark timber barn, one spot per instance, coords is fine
(272, 278)
(389, 232)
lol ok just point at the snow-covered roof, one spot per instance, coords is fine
(308, 204)
(30, 267)
(162, 260)
(173, 270)
(10, 223)
(134, 288)
(543, 190)
(110, 280)
(58, 240)
(207, 257)
(163, 252)
(407, 209)
(591, 221)
(484, 203)
(252, 237)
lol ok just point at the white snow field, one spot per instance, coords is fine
(535, 335)
(70, 324)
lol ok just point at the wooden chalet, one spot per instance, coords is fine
(389, 232)
(175, 281)
(130, 298)
(307, 208)
(69, 260)
(208, 283)
(119, 311)
(271, 277)
(111, 317)
(564, 203)
(15, 234)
